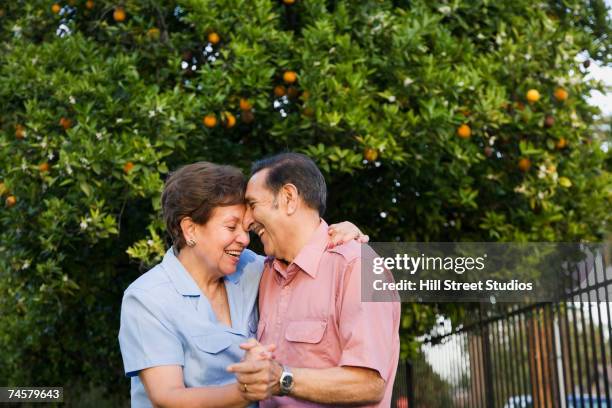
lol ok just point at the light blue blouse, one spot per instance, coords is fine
(166, 320)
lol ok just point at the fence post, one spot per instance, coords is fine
(410, 381)
(487, 368)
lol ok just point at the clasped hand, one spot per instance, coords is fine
(258, 373)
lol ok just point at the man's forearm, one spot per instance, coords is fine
(338, 385)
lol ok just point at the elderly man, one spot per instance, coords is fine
(332, 349)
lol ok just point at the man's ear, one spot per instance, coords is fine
(188, 228)
(290, 198)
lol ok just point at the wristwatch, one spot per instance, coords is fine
(286, 381)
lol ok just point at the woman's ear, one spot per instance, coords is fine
(188, 229)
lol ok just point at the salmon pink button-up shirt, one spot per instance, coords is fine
(312, 310)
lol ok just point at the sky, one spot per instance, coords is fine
(602, 100)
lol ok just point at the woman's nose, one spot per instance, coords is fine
(243, 237)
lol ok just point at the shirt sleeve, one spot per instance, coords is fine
(144, 340)
(369, 331)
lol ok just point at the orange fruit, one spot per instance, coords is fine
(43, 167)
(210, 120)
(533, 95)
(293, 92)
(561, 143)
(245, 105)
(289, 77)
(153, 33)
(247, 116)
(11, 201)
(65, 123)
(561, 94)
(89, 4)
(464, 131)
(308, 111)
(370, 154)
(524, 164)
(55, 8)
(127, 167)
(230, 120)
(119, 14)
(214, 38)
(19, 132)
(549, 121)
(289, 2)
(279, 90)
(305, 95)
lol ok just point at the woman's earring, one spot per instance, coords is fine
(191, 243)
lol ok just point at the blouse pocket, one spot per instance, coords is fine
(212, 343)
(209, 357)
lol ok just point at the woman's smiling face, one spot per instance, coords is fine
(221, 240)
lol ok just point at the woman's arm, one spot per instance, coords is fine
(165, 388)
(344, 232)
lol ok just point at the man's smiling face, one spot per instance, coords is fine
(264, 214)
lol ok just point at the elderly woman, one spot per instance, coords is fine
(183, 321)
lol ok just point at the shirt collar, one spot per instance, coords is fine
(310, 255)
(182, 280)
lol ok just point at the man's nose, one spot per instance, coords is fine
(247, 220)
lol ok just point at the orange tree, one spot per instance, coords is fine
(432, 121)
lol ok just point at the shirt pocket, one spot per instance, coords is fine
(208, 357)
(305, 331)
(212, 343)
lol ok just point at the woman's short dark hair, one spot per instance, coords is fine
(195, 190)
(299, 170)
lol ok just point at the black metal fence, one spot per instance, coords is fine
(538, 355)
(403, 388)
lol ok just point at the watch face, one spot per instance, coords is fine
(287, 380)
